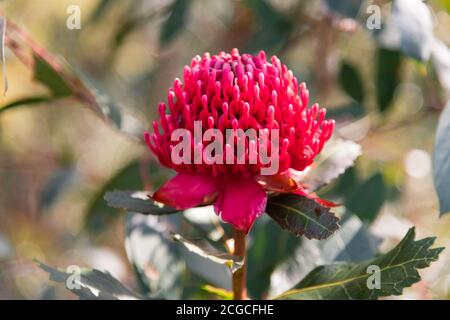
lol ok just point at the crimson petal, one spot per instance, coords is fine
(187, 190)
(241, 200)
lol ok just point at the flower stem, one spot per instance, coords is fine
(240, 276)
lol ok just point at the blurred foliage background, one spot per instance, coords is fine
(57, 157)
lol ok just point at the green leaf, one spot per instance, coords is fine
(176, 20)
(136, 201)
(219, 292)
(273, 29)
(351, 82)
(353, 242)
(100, 10)
(126, 28)
(25, 101)
(46, 75)
(388, 64)
(203, 223)
(98, 214)
(302, 216)
(337, 156)
(269, 247)
(206, 224)
(56, 185)
(345, 185)
(368, 199)
(131, 22)
(63, 81)
(349, 8)
(397, 270)
(442, 161)
(155, 258)
(90, 284)
(107, 106)
(205, 250)
(346, 113)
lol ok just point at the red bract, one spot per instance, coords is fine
(233, 91)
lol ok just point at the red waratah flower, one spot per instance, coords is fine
(233, 91)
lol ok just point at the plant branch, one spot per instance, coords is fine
(240, 276)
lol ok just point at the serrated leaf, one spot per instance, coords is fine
(351, 82)
(203, 249)
(46, 75)
(442, 161)
(155, 258)
(387, 75)
(397, 270)
(90, 284)
(302, 216)
(337, 156)
(353, 242)
(368, 198)
(176, 20)
(136, 201)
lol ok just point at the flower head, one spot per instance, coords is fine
(229, 91)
